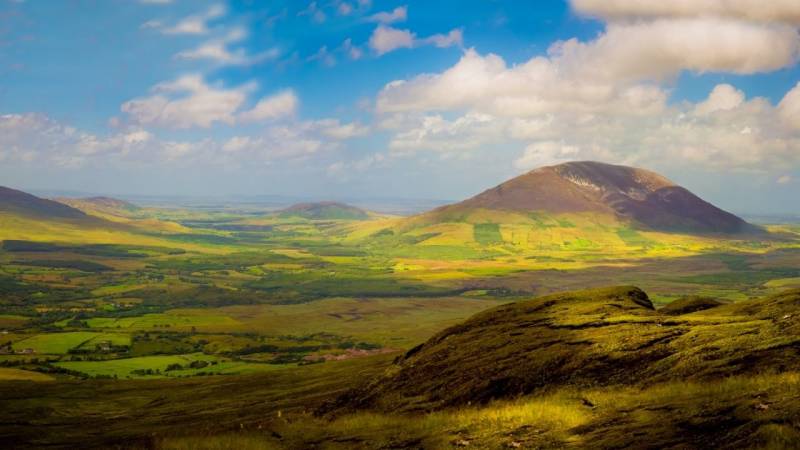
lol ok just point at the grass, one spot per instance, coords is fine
(10, 374)
(56, 343)
(123, 368)
(617, 418)
(487, 233)
(204, 319)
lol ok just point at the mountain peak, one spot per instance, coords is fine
(637, 196)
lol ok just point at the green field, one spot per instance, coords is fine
(56, 343)
(219, 303)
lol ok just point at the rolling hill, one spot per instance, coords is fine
(21, 203)
(324, 211)
(105, 205)
(632, 196)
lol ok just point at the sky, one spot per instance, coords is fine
(398, 99)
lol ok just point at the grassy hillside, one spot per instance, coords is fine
(628, 376)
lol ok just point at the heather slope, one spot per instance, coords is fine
(600, 337)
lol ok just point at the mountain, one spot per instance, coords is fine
(324, 211)
(20, 203)
(633, 196)
(607, 337)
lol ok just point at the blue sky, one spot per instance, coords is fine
(416, 99)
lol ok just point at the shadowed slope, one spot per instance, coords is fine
(17, 202)
(599, 337)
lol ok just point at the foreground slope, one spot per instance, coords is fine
(633, 196)
(601, 337)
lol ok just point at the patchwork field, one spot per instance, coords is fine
(243, 297)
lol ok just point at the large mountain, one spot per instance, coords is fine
(638, 197)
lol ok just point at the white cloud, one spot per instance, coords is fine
(545, 153)
(336, 130)
(386, 39)
(217, 51)
(487, 84)
(785, 179)
(399, 14)
(38, 139)
(789, 107)
(35, 138)
(453, 38)
(722, 98)
(187, 102)
(434, 132)
(665, 47)
(616, 71)
(282, 104)
(752, 10)
(742, 135)
(196, 24)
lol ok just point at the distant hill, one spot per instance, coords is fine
(324, 211)
(634, 196)
(601, 337)
(23, 204)
(101, 206)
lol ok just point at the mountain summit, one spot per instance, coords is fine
(637, 196)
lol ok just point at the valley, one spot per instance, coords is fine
(100, 294)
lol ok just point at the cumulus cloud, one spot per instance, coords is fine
(487, 84)
(723, 97)
(196, 24)
(732, 133)
(399, 14)
(38, 139)
(386, 39)
(434, 132)
(545, 153)
(752, 10)
(665, 47)
(187, 102)
(789, 107)
(282, 104)
(619, 70)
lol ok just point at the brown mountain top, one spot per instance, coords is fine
(634, 195)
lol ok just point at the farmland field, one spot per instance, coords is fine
(233, 297)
